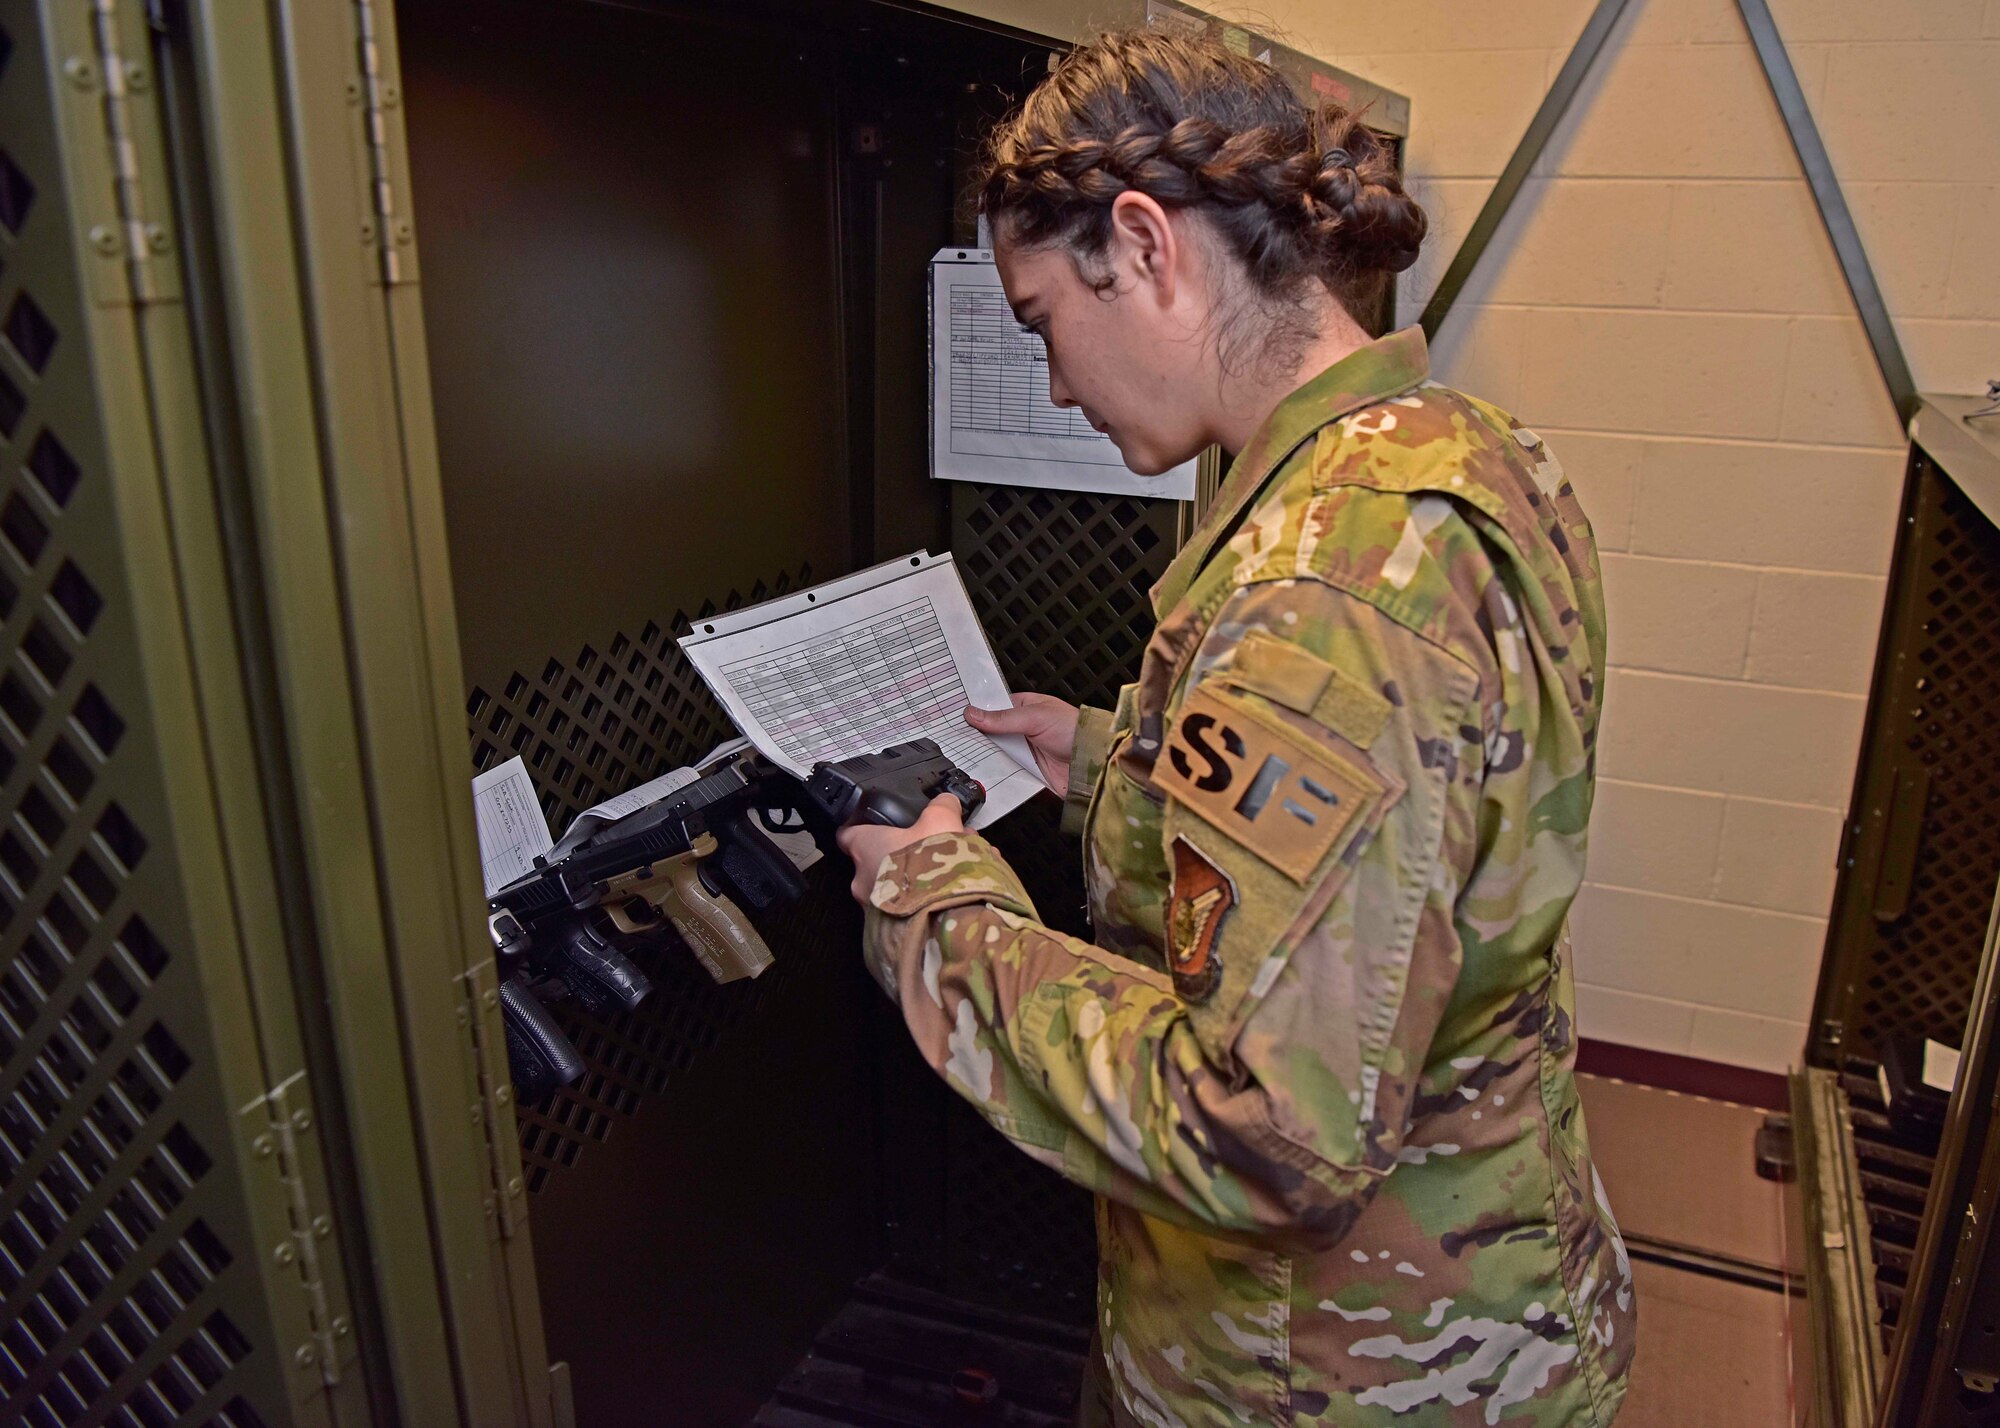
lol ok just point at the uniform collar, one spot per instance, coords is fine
(1363, 377)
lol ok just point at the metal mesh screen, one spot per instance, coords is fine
(1942, 715)
(1060, 579)
(123, 1283)
(587, 729)
(1060, 582)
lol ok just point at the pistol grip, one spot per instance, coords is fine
(539, 1056)
(711, 925)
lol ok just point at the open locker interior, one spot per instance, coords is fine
(660, 246)
(675, 301)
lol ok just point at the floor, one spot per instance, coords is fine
(1680, 1174)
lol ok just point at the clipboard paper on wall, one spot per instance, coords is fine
(991, 417)
(887, 654)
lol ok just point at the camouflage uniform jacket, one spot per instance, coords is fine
(1318, 1065)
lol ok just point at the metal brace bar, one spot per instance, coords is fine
(1833, 211)
(1554, 105)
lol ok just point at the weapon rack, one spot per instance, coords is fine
(1901, 1274)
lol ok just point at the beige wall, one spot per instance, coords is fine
(1664, 304)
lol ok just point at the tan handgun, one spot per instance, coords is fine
(721, 937)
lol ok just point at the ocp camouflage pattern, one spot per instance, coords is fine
(1342, 1175)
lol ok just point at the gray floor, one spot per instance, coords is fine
(1679, 1171)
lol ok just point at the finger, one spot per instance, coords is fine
(945, 808)
(1021, 719)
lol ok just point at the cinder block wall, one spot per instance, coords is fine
(1664, 305)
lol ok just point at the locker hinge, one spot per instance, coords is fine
(479, 1013)
(277, 1142)
(387, 228)
(139, 237)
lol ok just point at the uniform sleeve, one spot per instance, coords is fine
(1263, 1092)
(1086, 764)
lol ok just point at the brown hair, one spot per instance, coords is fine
(1296, 195)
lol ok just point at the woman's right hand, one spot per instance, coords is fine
(1046, 722)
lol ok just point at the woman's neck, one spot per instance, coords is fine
(1248, 398)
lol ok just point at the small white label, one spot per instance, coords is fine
(1940, 1066)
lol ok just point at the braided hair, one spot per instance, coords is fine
(1298, 196)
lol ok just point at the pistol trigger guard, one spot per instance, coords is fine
(635, 914)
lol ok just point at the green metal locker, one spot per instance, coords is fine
(259, 1158)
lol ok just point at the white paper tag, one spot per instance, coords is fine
(1940, 1066)
(512, 831)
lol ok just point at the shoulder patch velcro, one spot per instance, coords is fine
(1272, 789)
(1306, 684)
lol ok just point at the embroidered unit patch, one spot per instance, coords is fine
(1202, 897)
(1272, 789)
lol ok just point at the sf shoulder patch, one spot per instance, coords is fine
(1202, 896)
(1283, 795)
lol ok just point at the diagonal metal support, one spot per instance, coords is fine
(1554, 105)
(1833, 211)
(1806, 142)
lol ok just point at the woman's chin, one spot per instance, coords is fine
(1149, 463)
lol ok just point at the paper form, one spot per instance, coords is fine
(512, 831)
(852, 666)
(991, 417)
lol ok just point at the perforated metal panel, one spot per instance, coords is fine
(1060, 582)
(130, 1282)
(592, 727)
(1924, 845)
(1060, 579)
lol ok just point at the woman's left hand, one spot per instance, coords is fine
(869, 843)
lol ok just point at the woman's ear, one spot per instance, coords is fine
(1145, 248)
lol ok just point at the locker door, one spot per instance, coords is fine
(169, 1251)
(317, 377)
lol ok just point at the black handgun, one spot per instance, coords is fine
(692, 859)
(688, 859)
(539, 1056)
(891, 788)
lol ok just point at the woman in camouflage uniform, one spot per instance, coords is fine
(1318, 1065)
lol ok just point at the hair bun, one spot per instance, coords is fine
(1366, 220)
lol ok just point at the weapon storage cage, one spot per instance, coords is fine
(1902, 1310)
(624, 305)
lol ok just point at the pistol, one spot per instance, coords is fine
(891, 788)
(690, 860)
(540, 1056)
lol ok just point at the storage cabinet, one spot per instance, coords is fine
(384, 388)
(1901, 1319)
